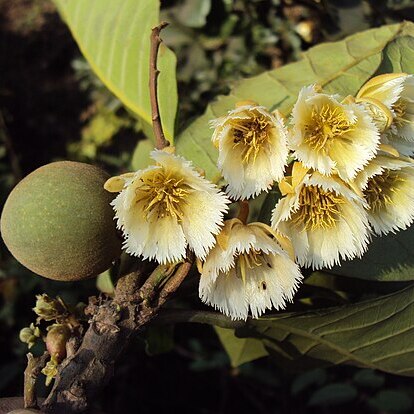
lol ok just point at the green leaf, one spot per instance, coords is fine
(350, 17)
(389, 259)
(333, 394)
(193, 13)
(104, 283)
(339, 67)
(307, 379)
(399, 56)
(377, 334)
(240, 350)
(391, 401)
(141, 157)
(114, 37)
(369, 378)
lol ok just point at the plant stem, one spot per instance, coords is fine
(32, 371)
(160, 140)
(244, 211)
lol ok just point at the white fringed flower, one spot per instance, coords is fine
(253, 151)
(388, 187)
(325, 220)
(395, 91)
(332, 137)
(248, 271)
(166, 207)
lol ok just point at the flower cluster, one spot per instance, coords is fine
(344, 173)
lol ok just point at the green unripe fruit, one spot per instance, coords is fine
(58, 222)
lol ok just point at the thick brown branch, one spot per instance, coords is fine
(160, 140)
(82, 376)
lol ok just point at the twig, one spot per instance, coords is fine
(32, 371)
(160, 140)
(149, 288)
(175, 281)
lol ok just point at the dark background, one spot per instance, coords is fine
(53, 107)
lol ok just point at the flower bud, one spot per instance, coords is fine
(56, 339)
(29, 335)
(49, 309)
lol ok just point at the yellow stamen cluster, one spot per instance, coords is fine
(327, 123)
(380, 189)
(400, 108)
(251, 134)
(318, 208)
(162, 193)
(248, 260)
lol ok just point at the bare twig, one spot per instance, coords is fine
(175, 281)
(160, 140)
(149, 288)
(32, 371)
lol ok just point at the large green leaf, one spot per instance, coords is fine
(240, 350)
(114, 36)
(389, 259)
(340, 67)
(378, 334)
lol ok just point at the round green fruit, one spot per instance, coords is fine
(58, 222)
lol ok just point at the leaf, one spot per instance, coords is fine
(193, 13)
(307, 379)
(399, 56)
(240, 350)
(104, 283)
(114, 37)
(333, 394)
(389, 259)
(399, 5)
(340, 67)
(141, 157)
(377, 334)
(391, 401)
(350, 17)
(369, 378)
